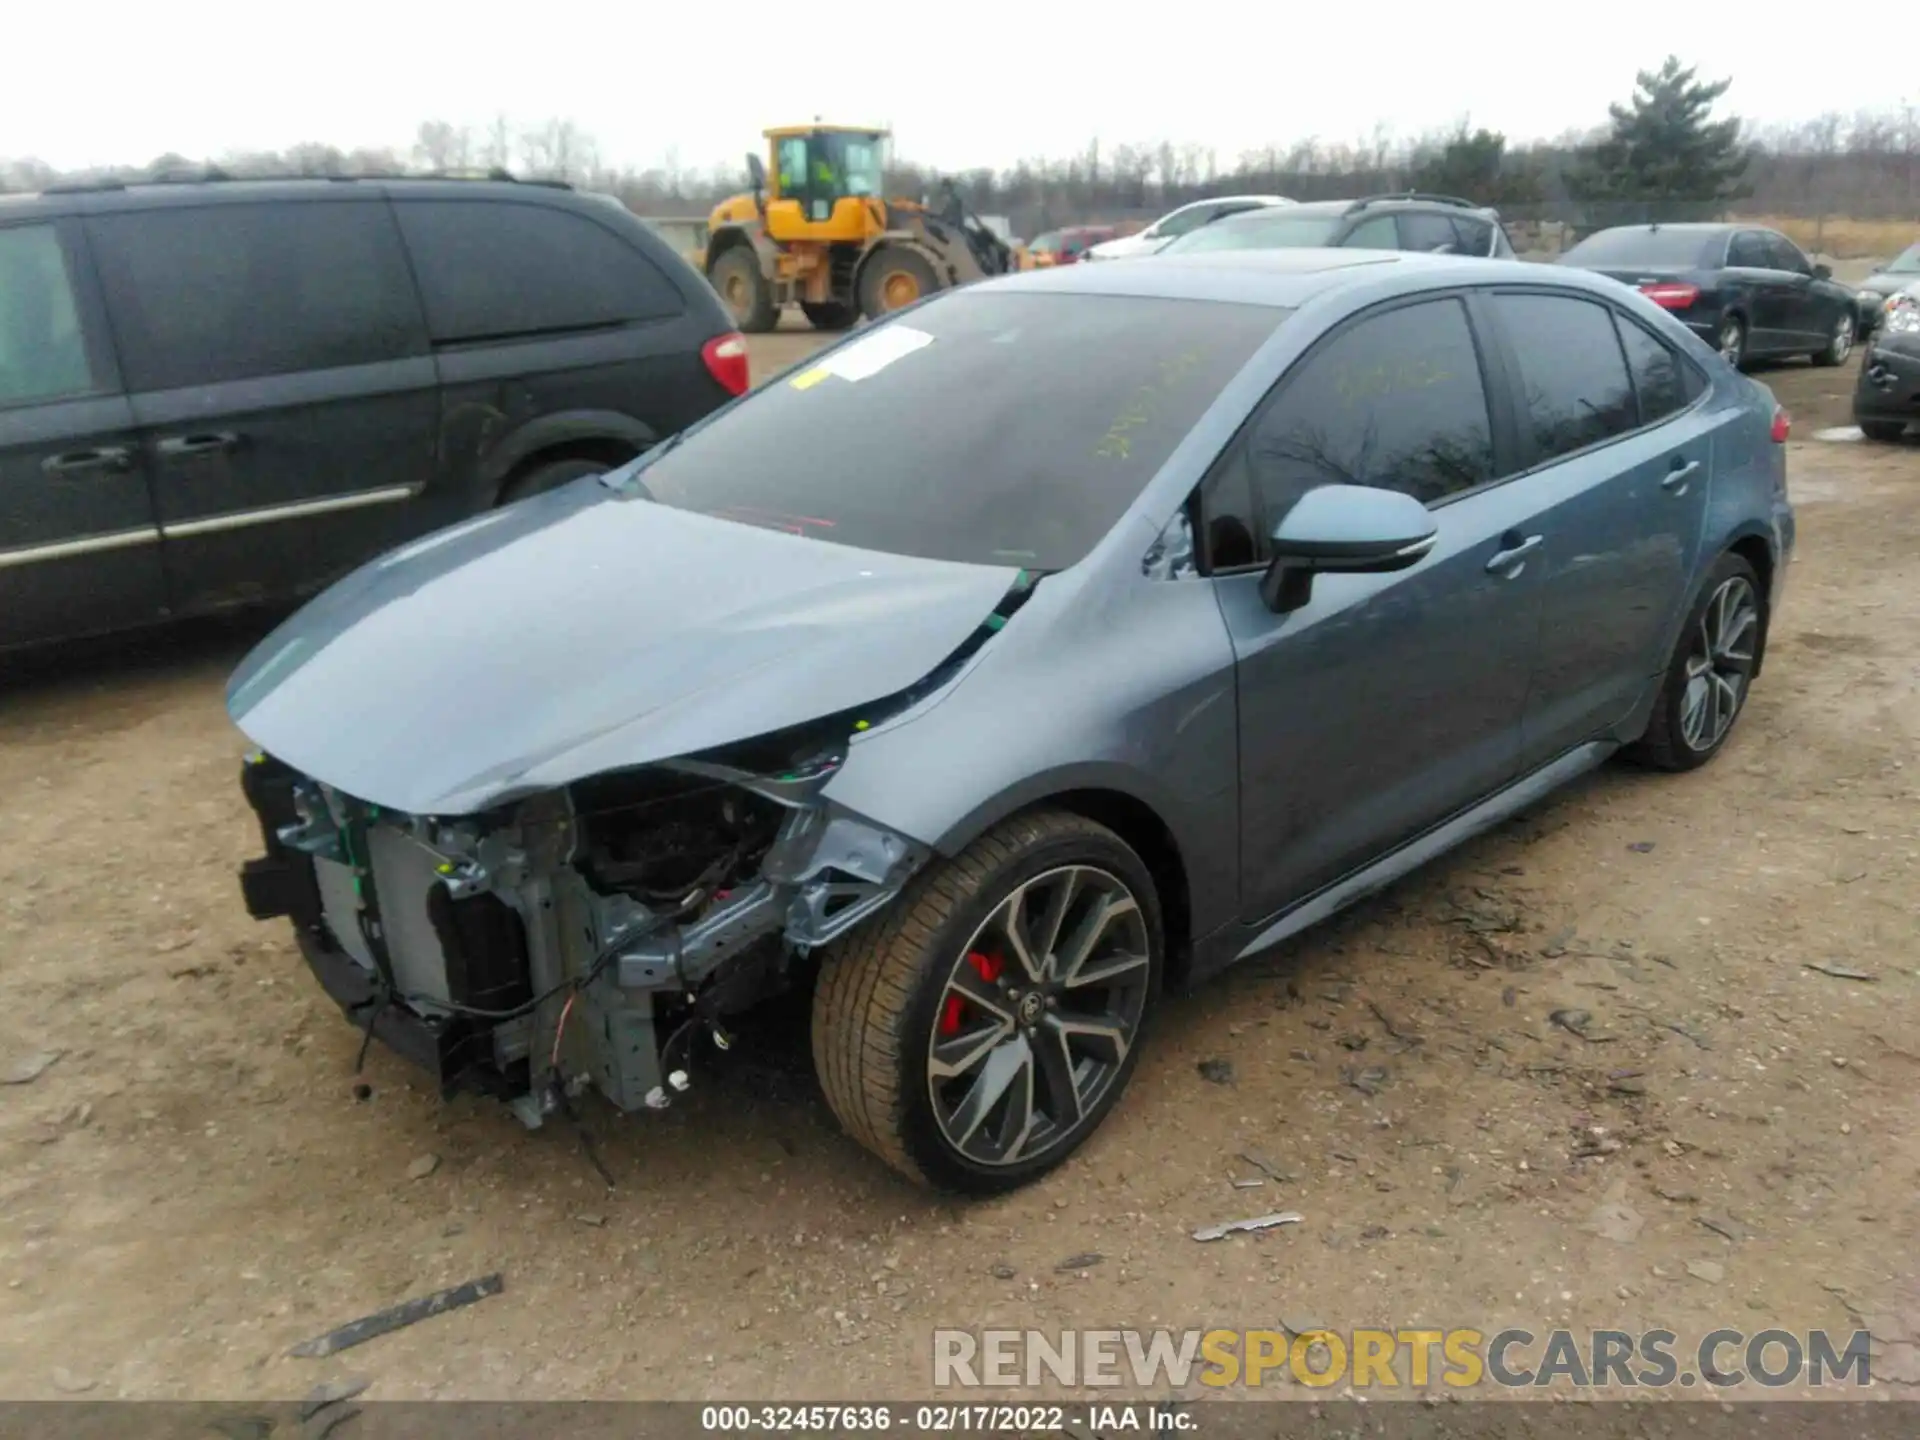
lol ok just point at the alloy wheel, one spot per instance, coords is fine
(1842, 339)
(1719, 665)
(1733, 342)
(1038, 1015)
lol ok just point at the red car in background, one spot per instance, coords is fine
(1064, 247)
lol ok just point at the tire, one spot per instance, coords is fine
(1732, 341)
(883, 1001)
(551, 476)
(744, 290)
(1840, 342)
(1672, 741)
(893, 278)
(830, 314)
(1885, 431)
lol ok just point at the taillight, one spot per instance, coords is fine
(1782, 422)
(726, 357)
(1672, 297)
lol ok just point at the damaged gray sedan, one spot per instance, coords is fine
(1066, 636)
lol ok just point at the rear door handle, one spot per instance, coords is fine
(79, 462)
(175, 446)
(1677, 478)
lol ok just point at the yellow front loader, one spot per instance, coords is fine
(817, 231)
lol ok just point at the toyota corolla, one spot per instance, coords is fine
(1066, 637)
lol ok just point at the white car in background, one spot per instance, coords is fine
(1176, 223)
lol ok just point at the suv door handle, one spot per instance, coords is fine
(78, 462)
(175, 446)
(1507, 563)
(1676, 479)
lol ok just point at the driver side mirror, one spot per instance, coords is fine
(756, 172)
(1344, 529)
(1823, 272)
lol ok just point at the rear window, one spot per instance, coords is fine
(990, 428)
(493, 270)
(1676, 248)
(1258, 232)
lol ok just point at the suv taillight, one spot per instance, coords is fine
(726, 357)
(1782, 423)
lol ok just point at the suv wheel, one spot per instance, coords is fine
(1707, 679)
(1883, 430)
(978, 1030)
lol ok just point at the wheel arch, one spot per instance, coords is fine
(1139, 823)
(1757, 550)
(574, 434)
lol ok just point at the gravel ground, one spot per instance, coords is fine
(193, 1184)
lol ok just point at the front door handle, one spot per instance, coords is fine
(1679, 475)
(1509, 562)
(177, 446)
(79, 462)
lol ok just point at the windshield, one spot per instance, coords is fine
(857, 160)
(1257, 232)
(1907, 262)
(1679, 249)
(989, 428)
(1048, 242)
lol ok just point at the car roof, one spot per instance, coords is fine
(83, 197)
(1702, 228)
(1285, 279)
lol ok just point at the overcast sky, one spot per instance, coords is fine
(89, 85)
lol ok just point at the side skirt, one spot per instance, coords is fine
(1501, 805)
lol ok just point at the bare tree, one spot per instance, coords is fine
(441, 147)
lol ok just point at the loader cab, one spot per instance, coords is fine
(817, 167)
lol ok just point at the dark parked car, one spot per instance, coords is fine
(1873, 292)
(222, 392)
(1429, 224)
(1750, 293)
(1067, 636)
(1886, 397)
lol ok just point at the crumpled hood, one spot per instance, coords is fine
(1885, 284)
(583, 631)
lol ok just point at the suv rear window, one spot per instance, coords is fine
(921, 437)
(224, 292)
(497, 269)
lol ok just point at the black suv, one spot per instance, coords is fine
(219, 392)
(1430, 224)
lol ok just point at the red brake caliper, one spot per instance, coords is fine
(987, 967)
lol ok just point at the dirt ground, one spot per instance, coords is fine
(193, 1185)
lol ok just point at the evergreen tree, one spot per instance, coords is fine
(1473, 165)
(1662, 148)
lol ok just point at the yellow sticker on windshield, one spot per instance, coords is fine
(807, 379)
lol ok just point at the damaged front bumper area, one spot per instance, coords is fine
(576, 938)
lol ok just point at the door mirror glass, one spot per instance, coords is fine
(1346, 529)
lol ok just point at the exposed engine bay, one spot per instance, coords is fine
(578, 937)
(584, 936)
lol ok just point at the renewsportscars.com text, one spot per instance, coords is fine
(1385, 1359)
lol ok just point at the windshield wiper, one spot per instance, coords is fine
(624, 480)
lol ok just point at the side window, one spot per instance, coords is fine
(1428, 233)
(233, 291)
(43, 355)
(793, 166)
(491, 269)
(1379, 233)
(1749, 252)
(1476, 236)
(1785, 255)
(1664, 383)
(1572, 373)
(1181, 221)
(1395, 401)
